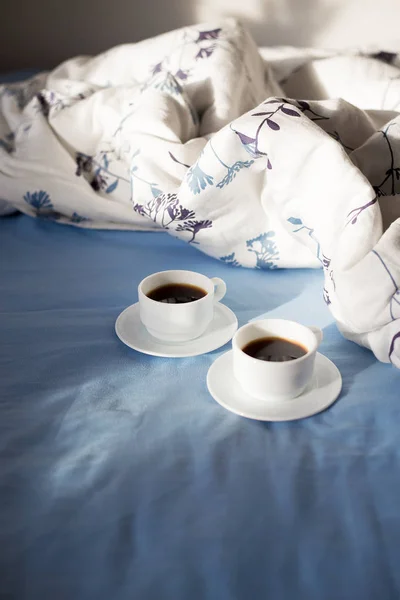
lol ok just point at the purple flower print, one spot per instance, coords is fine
(157, 68)
(211, 34)
(182, 75)
(269, 114)
(356, 212)
(249, 144)
(167, 211)
(193, 227)
(205, 52)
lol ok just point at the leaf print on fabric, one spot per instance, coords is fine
(289, 111)
(325, 295)
(42, 205)
(205, 52)
(272, 124)
(193, 227)
(356, 212)
(76, 218)
(313, 116)
(156, 69)
(39, 200)
(335, 135)
(295, 221)
(392, 344)
(249, 144)
(155, 191)
(166, 210)
(299, 223)
(265, 250)
(182, 75)
(197, 179)
(112, 187)
(178, 161)
(233, 170)
(97, 172)
(211, 34)
(281, 108)
(230, 259)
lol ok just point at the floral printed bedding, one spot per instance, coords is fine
(193, 132)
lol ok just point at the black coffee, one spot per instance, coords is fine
(274, 349)
(177, 293)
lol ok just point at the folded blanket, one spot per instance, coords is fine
(192, 132)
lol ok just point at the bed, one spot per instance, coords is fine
(118, 480)
(122, 478)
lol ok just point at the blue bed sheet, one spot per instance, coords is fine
(121, 478)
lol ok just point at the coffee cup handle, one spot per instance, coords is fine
(219, 288)
(317, 332)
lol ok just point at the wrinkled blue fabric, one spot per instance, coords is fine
(121, 478)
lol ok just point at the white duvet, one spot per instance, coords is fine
(230, 148)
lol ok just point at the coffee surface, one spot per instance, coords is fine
(274, 349)
(177, 293)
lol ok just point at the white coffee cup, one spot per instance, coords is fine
(275, 380)
(179, 322)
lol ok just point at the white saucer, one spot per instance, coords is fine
(133, 333)
(321, 392)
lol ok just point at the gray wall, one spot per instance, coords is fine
(41, 33)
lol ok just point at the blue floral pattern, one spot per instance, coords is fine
(197, 179)
(232, 172)
(40, 200)
(264, 247)
(230, 259)
(76, 218)
(299, 223)
(42, 205)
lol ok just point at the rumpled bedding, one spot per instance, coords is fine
(270, 158)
